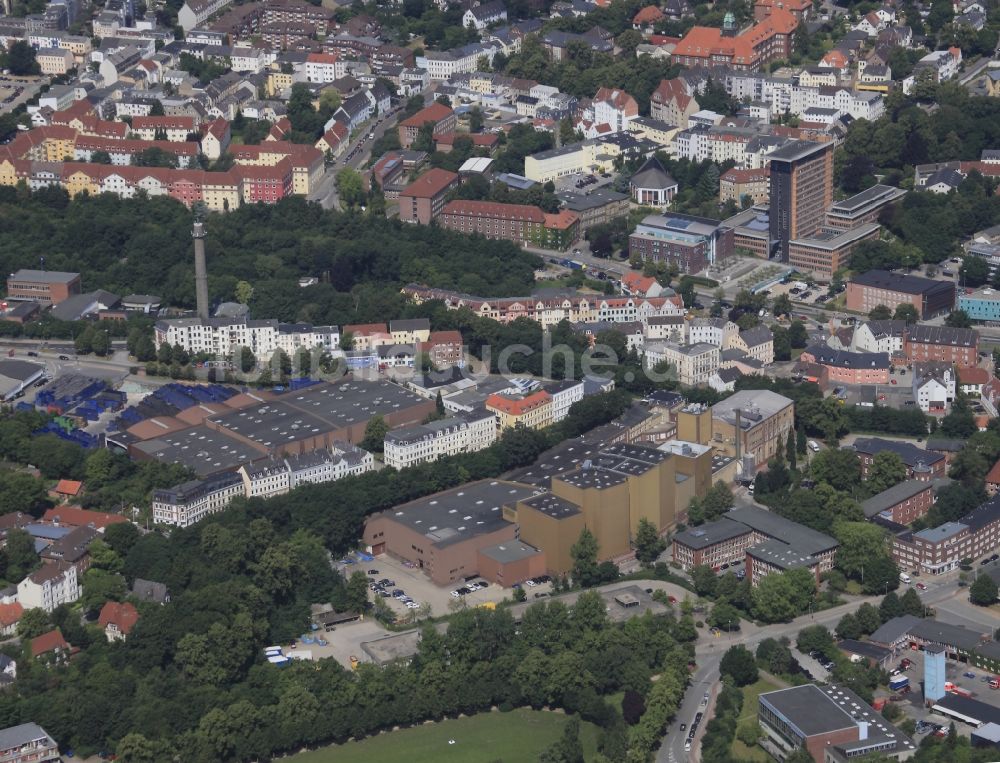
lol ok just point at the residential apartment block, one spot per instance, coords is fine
(532, 411)
(521, 224)
(221, 336)
(902, 503)
(921, 465)
(941, 549)
(49, 586)
(28, 743)
(550, 310)
(693, 363)
(184, 505)
(424, 199)
(462, 433)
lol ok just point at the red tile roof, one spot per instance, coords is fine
(670, 90)
(68, 487)
(993, 476)
(366, 329)
(485, 139)
(518, 407)
(10, 614)
(48, 642)
(77, 517)
(561, 220)
(164, 123)
(494, 210)
(972, 375)
(123, 616)
(433, 113)
(648, 15)
(430, 184)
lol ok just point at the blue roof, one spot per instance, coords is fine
(49, 532)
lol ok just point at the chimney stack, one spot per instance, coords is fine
(200, 270)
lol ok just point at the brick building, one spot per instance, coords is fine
(846, 367)
(902, 503)
(942, 344)
(423, 199)
(941, 549)
(45, 286)
(692, 243)
(879, 287)
(437, 114)
(521, 224)
(920, 464)
(770, 39)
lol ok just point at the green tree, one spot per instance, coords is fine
(33, 623)
(860, 543)
(704, 580)
(19, 557)
(349, 188)
(958, 319)
(356, 592)
(648, 543)
(890, 607)
(848, 627)
(243, 292)
(568, 748)
(887, 470)
(375, 432)
(100, 586)
(725, 617)
(880, 313)
(983, 592)
(838, 468)
(739, 664)
(906, 312)
(797, 335)
(20, 59)
(584, 554)
(790, 454)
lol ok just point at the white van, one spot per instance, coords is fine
(904, 578)
(814, 446)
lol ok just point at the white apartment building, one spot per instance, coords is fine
(463, 433)
(264, 480)
(220, 336)
(443, 64)
(693, 363)
(879, 336)
(184, 505)
(48, 587)
(564, 394)
(717, 331)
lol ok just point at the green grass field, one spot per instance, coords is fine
(741, 751)
(520, 735)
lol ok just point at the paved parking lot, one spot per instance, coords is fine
(420, 588)
(345, 641)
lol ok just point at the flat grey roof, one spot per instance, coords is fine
(765, 402)
(781, 555)
(399, 646)
(461, 513)
(323, 408)
(877, 194)
(509, 551)
(553, 506)
(201, 449)
(43, 276)
(808, 709)
(796, 150)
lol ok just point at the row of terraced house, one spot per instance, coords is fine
(63, 155)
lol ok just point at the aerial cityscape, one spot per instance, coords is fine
(478, 381)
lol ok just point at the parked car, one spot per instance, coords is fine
(64, 357)
(32, 354)
(921, 586)
(530, 583)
